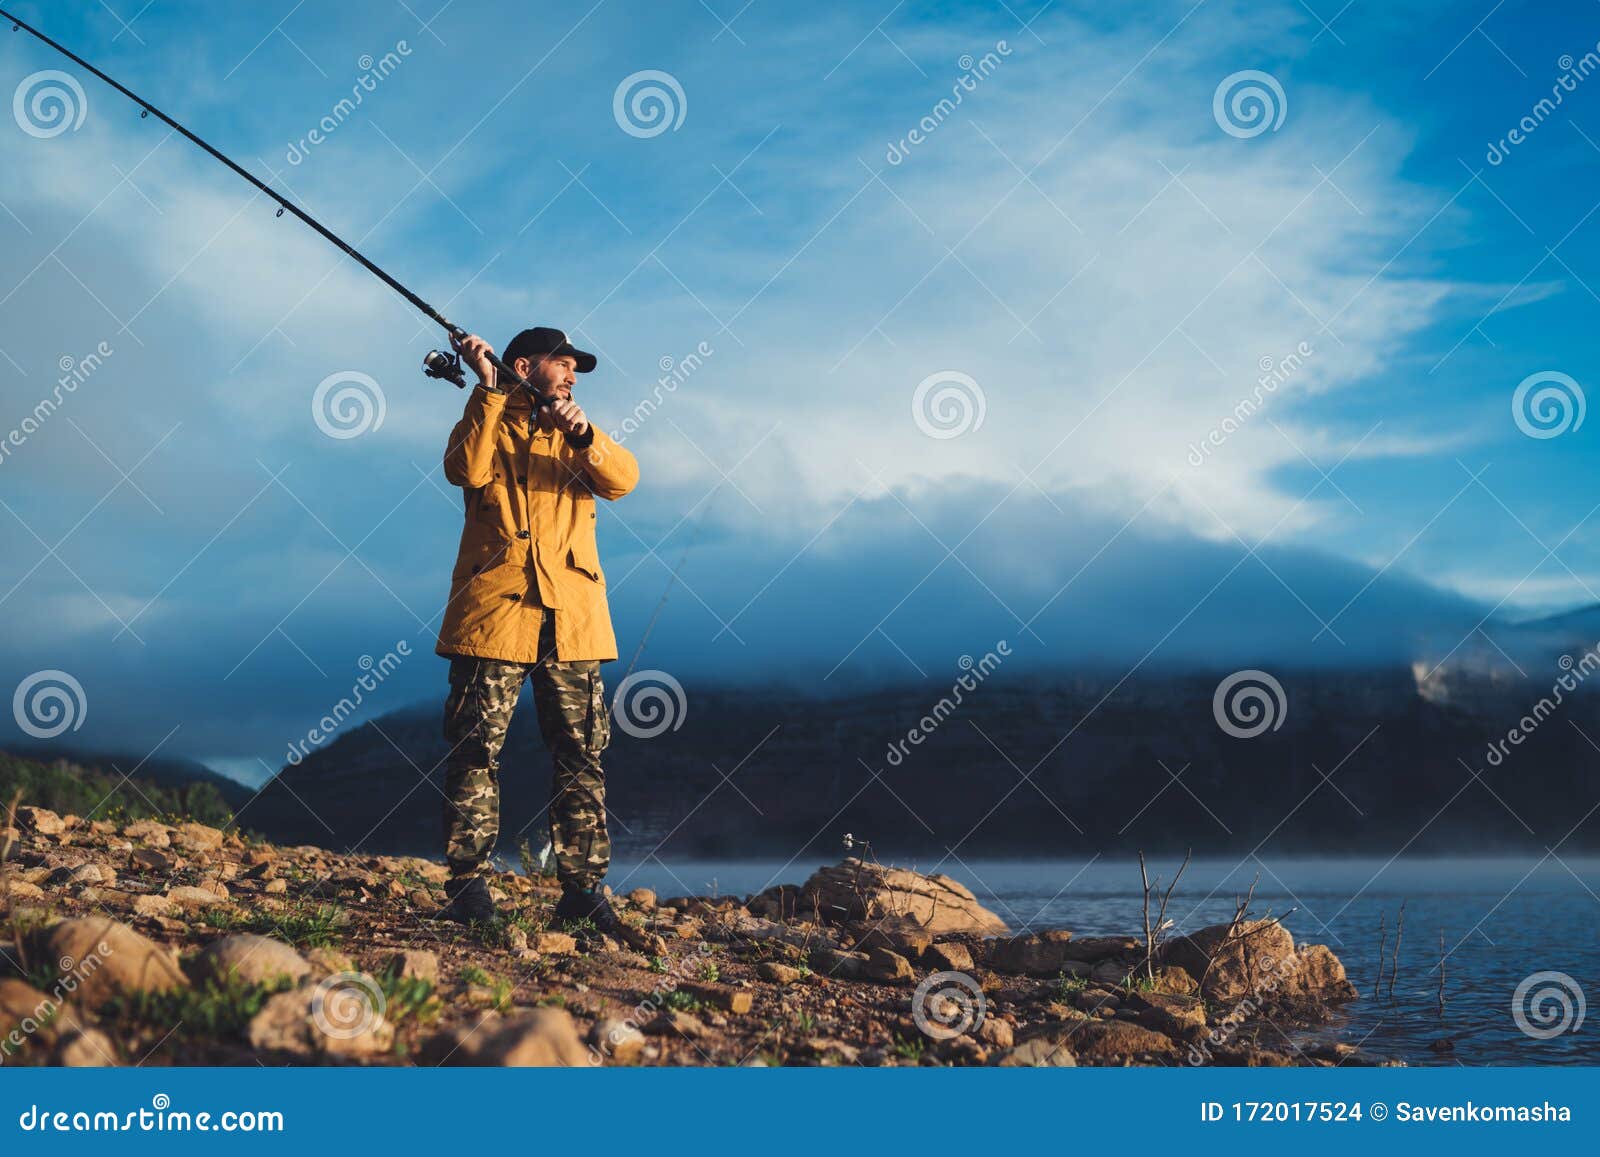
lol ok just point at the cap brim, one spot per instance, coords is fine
(586, 361)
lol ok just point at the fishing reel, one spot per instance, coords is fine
(447, 367)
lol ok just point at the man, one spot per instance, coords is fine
(528, 603)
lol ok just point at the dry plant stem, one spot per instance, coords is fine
(1394, 963)
(1441, 973)
(1383, 940)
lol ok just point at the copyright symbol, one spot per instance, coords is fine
(1378, 1111)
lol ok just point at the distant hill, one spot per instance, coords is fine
(1363, 761)
(178, 774)
(103, 792)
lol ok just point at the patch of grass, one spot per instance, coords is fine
(557, 1000)
(1068, 986)
(407, 998)
(304, 926)
(1138, 984)
(658, 965)
(214, 1009)
(680, 1001)
(709, 972)
(472, 974)
(805, 1022)
(910, 1048)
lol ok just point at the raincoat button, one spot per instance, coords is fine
(524, 534)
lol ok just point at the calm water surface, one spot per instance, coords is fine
(1502, 920)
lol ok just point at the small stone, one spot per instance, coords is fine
(887, 967)
(197, 838)
(414, 964)
(673, 1021)
(538, 1038)
(554, 944)
(87, 1048)
(253, 959)
(41, 820)
(996, 1033)
(778, 973)
(153, 834)
(734, 1000)
(149, 860)
(275, 887)
(338, 1017)
(952, 956)
(1039, 1053)
(643, 899)
(185, 896)
(617, 1041)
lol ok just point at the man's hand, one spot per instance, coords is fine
(476, 353)
(568, 417)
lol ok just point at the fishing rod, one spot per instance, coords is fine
(436, 364)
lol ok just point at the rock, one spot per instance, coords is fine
(554, 944)
(734, 1000)
(29, 1012)
(1039, 1053)
(672, 1021)
(196, 838)
(1316, 974)
(153, 834)
(538, 1038)
(327, 962)
(41, 820)
(1239, 958)
(1180, 1017)
(617, 1041)
(87, 1048)
(340, 1017)
(887, 967)
(22, 890)
(951, 956)
(152, 906)
(1112, 972)
(781, 902)
(275, 887)
(643, 899)
(778, 973)
(414, 964)
(896, 933)
(104, 958)
(423, 901)
(1106, 1041)
(996, 1033)
(854, 891)
(1042, 954)
(149, 860)
(185, 896)
(253, 959)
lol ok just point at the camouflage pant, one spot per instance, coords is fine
(570, 701)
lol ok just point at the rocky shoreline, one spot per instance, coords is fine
(182, 944)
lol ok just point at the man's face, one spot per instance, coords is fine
(550, 375)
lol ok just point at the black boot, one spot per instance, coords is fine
(577, 905)
(468, 901)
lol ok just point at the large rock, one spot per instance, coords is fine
(193, 837)
(100, 958)
(253, 959)
(1179, 1017)
(41, 820)
(537, 1038)
(1040, 1053)
(856, 892)
(33, 1015)
(1232, 961)
(340, 1018)
(1102, 1041)
(87, 1048)
(1044, 954)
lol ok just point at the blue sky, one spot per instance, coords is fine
(1081, 240)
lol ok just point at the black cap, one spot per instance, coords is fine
(542, 341)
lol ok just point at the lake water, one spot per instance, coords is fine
(1502, 920)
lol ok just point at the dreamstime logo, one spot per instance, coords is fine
(1248, 703)
(648, 103)
(375, 673)
(70, 974)
(1248, 103)
(1573, 73)
(373, 72)
(48, 703)
(47, 104)
(947, 1005)
(975, 673)
(648, 703)
(1274, 372)
(1548, 404)
(348, 404)
(948, 404)
(347, 1005)
(74, 372)
(674, 372)
(1548, 1004)
(973, 73)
